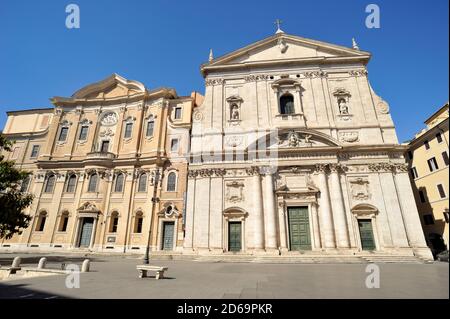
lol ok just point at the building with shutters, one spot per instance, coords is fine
(428, 159)
(108, 168)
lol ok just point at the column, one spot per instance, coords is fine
(270, 225)
(190, 210)
(325, 218)
(315, 223)
(94, 230)
(258, 210)
(282, 219)
(339, 217)
(409, 210)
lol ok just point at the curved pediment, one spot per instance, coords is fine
(112, 87)
(286, 139)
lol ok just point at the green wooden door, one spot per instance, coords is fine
(234, 236)
(86, 232)
(366, 233)
(168, 235)
(299, 234)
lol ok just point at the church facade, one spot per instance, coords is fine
(292, 151)
(108, 171)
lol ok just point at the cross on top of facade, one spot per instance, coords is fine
(278, 23)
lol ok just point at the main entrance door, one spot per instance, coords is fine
(234, 236)
(299, 234)
(168, 228)
(366, 233)
(86, 232)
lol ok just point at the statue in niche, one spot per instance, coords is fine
(343, 108)
(234, 112)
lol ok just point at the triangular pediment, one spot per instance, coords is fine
(112, 87)
(286, 47)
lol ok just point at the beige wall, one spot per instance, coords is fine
(130, 156)
(426, 181)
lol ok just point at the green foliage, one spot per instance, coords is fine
(12, 201)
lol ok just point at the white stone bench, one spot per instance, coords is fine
(144, 268)
(11, 270)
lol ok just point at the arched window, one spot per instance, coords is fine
(138, 223)
(92, 186)
(63, 132)
(287, 104)
(150, 126)
(171, 182)
(50, 184)
(114, 222)
(71, 183)
(118, 187)
(63, 222)
(25, 184)
(41, 221)
(142, 183)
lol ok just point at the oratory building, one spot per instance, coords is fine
(108, 169)
(293, 151)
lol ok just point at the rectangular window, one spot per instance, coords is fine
(41, 224)
(427, 145)
(63, 134)
(432, 164)
(441, 190)
(139, 225)
(428, 219)
(414, 172)
(445, 158)
(128, 130)
(115, 222)
(150, 127)
(422, 197)
(174, 145)
(34, 151)
(64, 223)
(178, 113)
(105, 147)
(439, 137)
(410, 155)
(83, 133)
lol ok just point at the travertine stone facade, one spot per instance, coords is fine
(292, 150)
(428, 159)
(108, 165)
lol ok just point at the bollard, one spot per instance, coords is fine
(42, 263)
(16, 262)
(85, 265)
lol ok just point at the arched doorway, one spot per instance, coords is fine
(364, 218)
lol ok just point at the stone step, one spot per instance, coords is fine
(393, 259)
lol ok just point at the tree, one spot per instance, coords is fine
(12, 199)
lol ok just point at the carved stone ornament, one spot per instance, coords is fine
(282, 45)
(106, 132)
(234, 140)
(255, 77)
(109, 119)
(198, 116)
(295, 139)
(349, 137)
(88, 207)
(359, 188)
(234, 191)
(383, 106)
(210, 82)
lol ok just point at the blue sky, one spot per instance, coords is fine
(163, 43)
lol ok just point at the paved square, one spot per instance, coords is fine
(117, 277)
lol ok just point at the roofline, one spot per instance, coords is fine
(254, 45)
(426, 133)
(29, 110)
(436, 113)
